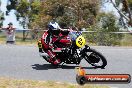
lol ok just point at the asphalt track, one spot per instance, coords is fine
(24, 62)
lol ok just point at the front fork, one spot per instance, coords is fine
(85, 49)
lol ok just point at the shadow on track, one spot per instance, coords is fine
(49, 66)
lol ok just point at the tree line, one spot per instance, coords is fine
(35, 14)
(79, 13)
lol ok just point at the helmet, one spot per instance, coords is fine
(50, 27)
(10, 23)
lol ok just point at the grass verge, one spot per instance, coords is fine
(126, 41)
(14, 83)
(19, 41)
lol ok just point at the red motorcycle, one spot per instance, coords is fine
(70, 48)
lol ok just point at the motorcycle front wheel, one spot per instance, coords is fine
(95, 58)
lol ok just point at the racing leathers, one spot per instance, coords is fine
(52, 26)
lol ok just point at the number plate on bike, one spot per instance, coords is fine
(80, 41)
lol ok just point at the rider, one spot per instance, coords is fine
(53, 25)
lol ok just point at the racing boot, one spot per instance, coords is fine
(57, 61)
(51, 54)
(53, 59)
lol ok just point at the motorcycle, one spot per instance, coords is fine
(71, 48)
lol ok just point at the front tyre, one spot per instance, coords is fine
(95, 58)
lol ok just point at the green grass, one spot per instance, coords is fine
(14, 83)
(2, 39)
(127, 40)
(19, 37)
(19, 41)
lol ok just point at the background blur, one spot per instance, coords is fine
(107, 22)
